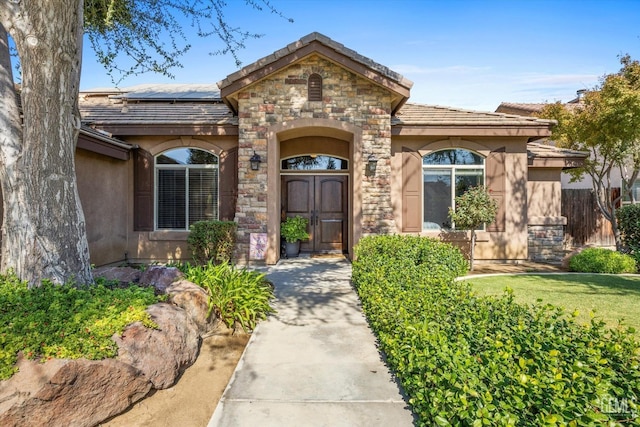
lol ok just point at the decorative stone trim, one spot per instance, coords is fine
(546, 243)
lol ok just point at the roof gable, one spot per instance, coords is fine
(316, 43)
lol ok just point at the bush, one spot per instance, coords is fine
(54, 321)
(212, 241)
(469, 360)
(629, 223)
(294, 229)
(235, 296)
(601, 260)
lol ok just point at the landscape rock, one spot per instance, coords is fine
(63, 392)
(160, 354)
(194, 300)
(84, 392)
(124, 275)
(160, 277)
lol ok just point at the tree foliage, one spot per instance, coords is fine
(606, 124)
(43, 232)
(134, 37)
(473, 208)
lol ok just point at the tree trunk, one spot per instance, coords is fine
(43, 233)
(472, 251)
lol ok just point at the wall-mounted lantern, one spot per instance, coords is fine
(372, 162)
(255, 161)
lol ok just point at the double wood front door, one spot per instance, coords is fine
(322, 199)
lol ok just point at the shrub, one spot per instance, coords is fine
(469, 360)
(629, 223)
(212, 241)
(601, 260)
(294, 229)
(474, 208)
(235, 296)
(52, 321)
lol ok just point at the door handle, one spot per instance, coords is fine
(316, 215)
(313, 218)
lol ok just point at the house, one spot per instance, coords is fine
(314, 129)
(585, 223)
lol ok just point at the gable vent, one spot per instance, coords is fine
(315, 87)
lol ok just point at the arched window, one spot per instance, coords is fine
(314, 90)
(314, 162)
(186, 188)
(446, 175)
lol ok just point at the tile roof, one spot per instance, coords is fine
(547, 150)
(532, 108)
(433, 115)
(326, 41)
(524, 109)
(159, 104)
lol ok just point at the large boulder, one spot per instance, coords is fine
(194, 301)
(84, 392)
(123, 275)
(160, 354)
(160, 277)
(69, 392)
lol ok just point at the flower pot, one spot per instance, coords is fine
(292, 249)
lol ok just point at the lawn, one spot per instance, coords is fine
(609, 297)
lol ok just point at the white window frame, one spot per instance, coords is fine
(186, 168)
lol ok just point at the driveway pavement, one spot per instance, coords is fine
(315, 362)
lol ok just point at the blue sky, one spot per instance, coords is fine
(465, 54)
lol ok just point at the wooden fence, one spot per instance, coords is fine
(585, 224)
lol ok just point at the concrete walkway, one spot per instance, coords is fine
(315, 362)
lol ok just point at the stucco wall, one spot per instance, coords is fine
(104, 193)
(544, 192)
(510, 244)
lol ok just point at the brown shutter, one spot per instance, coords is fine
(411, 191)
(496, 184)
(142, 190)
(228, 184)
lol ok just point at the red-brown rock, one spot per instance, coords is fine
(160, 354)
(63, 392)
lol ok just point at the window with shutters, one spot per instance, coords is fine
(447, 174)
(315, 87)
(186, 188)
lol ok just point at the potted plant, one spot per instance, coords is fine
(293, 230)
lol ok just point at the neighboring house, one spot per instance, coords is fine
(586, 226)
(317, 130)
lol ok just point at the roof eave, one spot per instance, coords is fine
(537, 131)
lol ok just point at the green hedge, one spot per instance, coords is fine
(469, 360)
(212, 241)
(601, 260)
(629, 223)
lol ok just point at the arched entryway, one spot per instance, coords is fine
(316, 187)
(314, 166)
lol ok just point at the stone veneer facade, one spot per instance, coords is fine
(546, 243)
(282, 98)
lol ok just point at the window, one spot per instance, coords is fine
(314, 162)
(186, 188)
(315, 87)
(446, 175)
